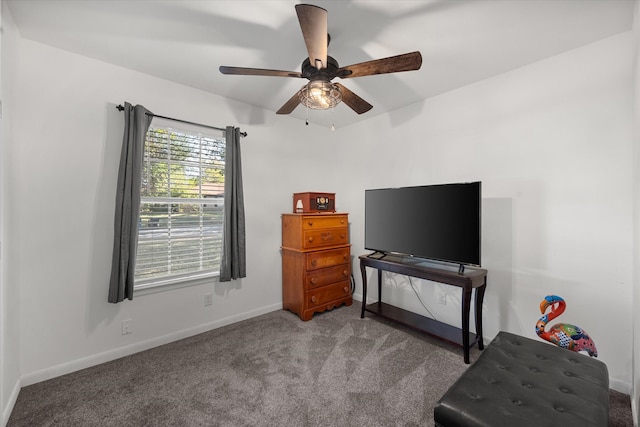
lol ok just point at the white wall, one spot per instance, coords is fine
(65, 157)
(635, 392)
(552, 145)
(9, 291)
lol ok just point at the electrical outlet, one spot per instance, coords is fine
(442, 298)
(126, 327)
(208, 299)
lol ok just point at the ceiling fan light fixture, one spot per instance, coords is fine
(320, 95)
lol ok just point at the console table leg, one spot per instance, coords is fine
(364, 288)
(466, 307)
(478, 312)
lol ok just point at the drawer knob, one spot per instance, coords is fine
(314, 299)
(346, 289)
(345, 273)
(313, 280)
(314, 262)
(310, 223)
(345, 257)
(342, 221)
(310, 239)
(342, 236)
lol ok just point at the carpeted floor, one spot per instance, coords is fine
(273, 370)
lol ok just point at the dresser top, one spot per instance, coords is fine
(316, 213)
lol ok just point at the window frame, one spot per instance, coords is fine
(143, 286)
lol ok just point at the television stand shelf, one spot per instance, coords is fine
(468, 280)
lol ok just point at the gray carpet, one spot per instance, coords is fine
(273, 370)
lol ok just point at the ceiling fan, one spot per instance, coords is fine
(319, 68)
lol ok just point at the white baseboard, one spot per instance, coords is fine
(6, 413)
(615, 384)
(96, 359)
(634, 410)
(621, 386)
(107, 356)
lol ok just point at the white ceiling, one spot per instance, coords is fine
(461, 41)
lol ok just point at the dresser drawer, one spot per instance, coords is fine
(324, 221)
(325, 237)
(325, 294)
(326, 276)
(328, 258)
(309, 232)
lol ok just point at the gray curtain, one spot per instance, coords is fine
(233, 263)
(125, 238)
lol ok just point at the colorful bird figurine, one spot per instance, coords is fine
(563, 335)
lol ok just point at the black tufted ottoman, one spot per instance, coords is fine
(519, 382)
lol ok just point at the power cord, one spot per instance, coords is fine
(420, 299)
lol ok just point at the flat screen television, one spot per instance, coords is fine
(437, 222)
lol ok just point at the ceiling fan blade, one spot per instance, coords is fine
(290, 105)
(393, 64)
(353, 101)
(240, 71)
(313, 22)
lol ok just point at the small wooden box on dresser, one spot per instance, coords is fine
(316, 262)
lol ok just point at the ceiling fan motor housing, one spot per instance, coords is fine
(309, 71)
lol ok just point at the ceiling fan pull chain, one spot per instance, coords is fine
(333, 127)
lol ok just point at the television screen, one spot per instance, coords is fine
(440, 222)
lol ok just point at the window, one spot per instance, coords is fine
(181, 207)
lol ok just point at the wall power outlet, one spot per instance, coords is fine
(442, 298)
(126, 327)
(208, 299)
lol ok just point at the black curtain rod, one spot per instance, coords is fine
(120, 108)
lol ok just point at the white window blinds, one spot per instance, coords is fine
(181, 209)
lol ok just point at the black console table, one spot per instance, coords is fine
(468, 280)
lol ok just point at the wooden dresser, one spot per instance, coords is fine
(316, 262)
